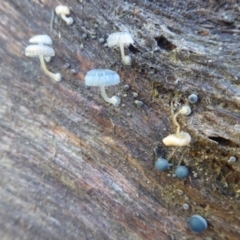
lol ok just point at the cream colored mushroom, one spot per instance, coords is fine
(180, 138)
(121, 40)
(42, 51)
(63, 11)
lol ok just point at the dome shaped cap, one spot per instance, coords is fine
(117, 38)
(37, 50)
(41, 39)
(162, 164)
(102, 77)
(62, 10)
(198, 224)
(182, 172)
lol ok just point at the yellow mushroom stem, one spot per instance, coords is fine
(56, 77)
(174, 118)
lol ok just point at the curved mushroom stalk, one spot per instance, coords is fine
(113, 100)
(68, 20)
(56, 76)
(126, 59)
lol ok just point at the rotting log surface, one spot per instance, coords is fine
(74, 167)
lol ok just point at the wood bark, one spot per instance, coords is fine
(74, 167)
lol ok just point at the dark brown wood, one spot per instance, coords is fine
(74, 167)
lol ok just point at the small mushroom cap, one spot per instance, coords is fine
(193, 98)
(183, 139)
(198, 224)
(101, 77)
(36, 50)
(115, 39)
(185, 110)
(181, 171)
(62, 10)
(162, 164)
(41, 39)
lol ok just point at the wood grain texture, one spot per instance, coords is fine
(74, 167)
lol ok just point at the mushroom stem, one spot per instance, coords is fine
(174, 118)
(113, 100)
(126, 59)
(68, 20)
(57, 77)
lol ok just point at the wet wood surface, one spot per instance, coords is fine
(74, 167)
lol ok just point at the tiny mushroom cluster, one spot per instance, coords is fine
(103, 78)
(40, 48)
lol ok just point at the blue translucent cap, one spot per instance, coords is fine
(162, 164)
(198, 224)
(101, 77)
(181, 172)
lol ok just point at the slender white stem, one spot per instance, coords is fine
(174, 118)
(68, 20)
(57, 77)
(126, 59)
(113, 100)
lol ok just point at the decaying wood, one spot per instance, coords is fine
(74, 167)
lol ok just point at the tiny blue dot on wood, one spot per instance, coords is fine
(198, 224)
(181, 172)
(162, 164)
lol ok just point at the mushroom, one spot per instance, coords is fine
(62, 11)
(179, 139)
(193, 98)
(162, 164)
(42, 51)
(198, 224)
(42, 40)
(121, 39)
(181, 172)
(103, 78)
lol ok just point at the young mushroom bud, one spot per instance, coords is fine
(42, 51)
(179, 139)
(103, 78)
(121, 40)
(198, 224)
(62, 11)
(193, 98)
(162, 164)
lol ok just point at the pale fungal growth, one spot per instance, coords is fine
(63, 11)
(103, 78)
(42, 40)
(42, 51)
(121, 40)
(180, 138)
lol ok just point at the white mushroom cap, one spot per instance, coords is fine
(185, 110)
(62, 10)
(180, 140)
(115, 39)
(41, 39)
(101, 77)
(37, 50)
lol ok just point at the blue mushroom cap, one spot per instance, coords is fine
(193, 98)
(198, 224)
(181, 172)
(162, 164)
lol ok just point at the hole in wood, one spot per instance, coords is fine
(163, 43)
